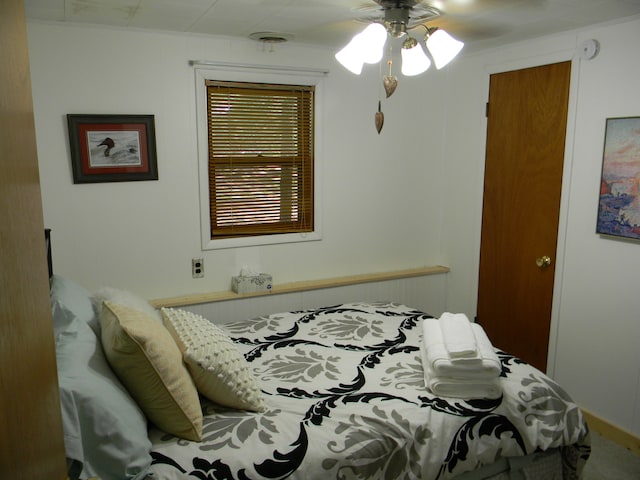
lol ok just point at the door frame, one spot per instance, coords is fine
(518, 64)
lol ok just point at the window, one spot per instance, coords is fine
(260, 145)
(258, 137)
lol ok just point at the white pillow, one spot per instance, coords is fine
(124, 297)
(147, 361)
(217, 367)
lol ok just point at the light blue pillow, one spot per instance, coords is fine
(104, 429)
(63, 321)
(76, 299)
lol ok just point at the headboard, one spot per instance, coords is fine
(47, 239)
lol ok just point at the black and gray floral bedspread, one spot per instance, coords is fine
(346, 399)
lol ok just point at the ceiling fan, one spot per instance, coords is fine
(468, 20)
(395, 18)
(390, 20)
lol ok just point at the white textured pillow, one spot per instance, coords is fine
(217, 367)
(147, 361)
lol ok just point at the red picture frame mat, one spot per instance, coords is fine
(87, 169)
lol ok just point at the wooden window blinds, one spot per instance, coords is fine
(260, 139)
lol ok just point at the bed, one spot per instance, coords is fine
(344, 388)
(340, 394)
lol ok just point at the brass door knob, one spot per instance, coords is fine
(543, 262)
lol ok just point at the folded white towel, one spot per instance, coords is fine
(436, 356)
(466, 389)
(485, 348)
(433, 341)
(458, 336)
(483, 370)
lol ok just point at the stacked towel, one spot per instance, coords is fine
(458, 336)
(458, 358)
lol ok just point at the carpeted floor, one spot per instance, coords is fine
(610, 461)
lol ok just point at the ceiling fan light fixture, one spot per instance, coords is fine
(396, 20)
(350, 57)
(414, 60)
(365, 47)
(397, 29)
(372, 40)
(443, 47)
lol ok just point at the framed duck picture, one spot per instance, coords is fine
(112, 148)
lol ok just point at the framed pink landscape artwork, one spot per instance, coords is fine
(619, 206)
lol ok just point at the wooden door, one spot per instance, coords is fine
(527, 116)
(31, 443)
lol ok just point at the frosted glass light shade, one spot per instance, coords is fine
(372, 43)
(414, 61)
(365, 47)
(443, 47)
(350, 57)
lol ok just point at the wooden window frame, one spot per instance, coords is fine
(258, 75)
(260, 147)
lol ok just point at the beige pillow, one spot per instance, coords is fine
(217, 367)
(146, 359)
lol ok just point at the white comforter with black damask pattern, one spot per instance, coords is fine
(344, 387)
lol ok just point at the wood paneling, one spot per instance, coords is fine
(30, 426)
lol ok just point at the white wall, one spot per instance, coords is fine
(409, 197)
(599, 311)
(595, 331)
(380, 193)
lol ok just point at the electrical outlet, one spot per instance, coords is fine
(197, 267)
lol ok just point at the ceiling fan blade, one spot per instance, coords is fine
(474, 7)
(468, 31)
(475, 20)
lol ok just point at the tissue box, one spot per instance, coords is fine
(251, 283)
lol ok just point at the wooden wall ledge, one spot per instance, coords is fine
(302, 286)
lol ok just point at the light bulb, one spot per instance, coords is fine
(372, 40)
(350, 57)
(365, 47)
(443, 47)
(414, 60)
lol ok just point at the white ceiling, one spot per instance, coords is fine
(479, 23)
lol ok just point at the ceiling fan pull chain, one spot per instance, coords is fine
(390, 81)
(379, 118)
